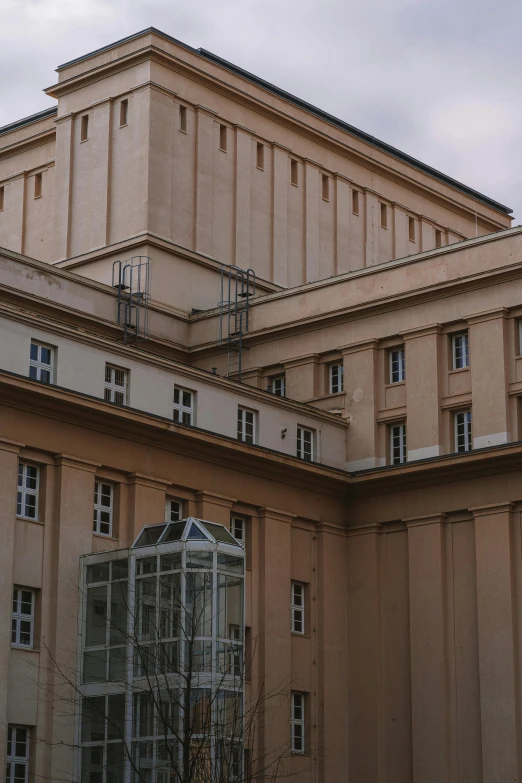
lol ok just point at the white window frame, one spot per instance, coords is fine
(100, 508)
(243, 424)
(12, 760)
(18, 617)
(23, 491)
(183, 410)
(277, 385)
(398, 452)
(397, 361)
(301, 451)
(114, 388)
(39, 365)
(297, 722)
(238, 527)
(297, 606)
(336, 378)
(460, 354)
(169, 510)
(466, 423)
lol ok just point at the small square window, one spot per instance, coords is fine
(38, 185)
(462, 424)
(297, 723)
(184, 406)
(223, 138)
(183, 119)
(305, 444)
(22, 618)
(397, 367)
(124, 112)
(41, 361)
(246, 425)
(411, 229)
(260, 156)
(326, 187)
(336, 378)
(103, 508)
(173, 510)
(355, 202)
(384, 216)
(297, 607)
(17, 761)
(84, 128)
(398, 452)
(276, 385)
(294, 172)
(460, 350)
(116, 385)
(28, 488)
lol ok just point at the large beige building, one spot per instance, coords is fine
(364, 451)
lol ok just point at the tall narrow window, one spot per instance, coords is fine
(2, 196)
(103, 508)
(336, 378)
(294, 173)
(326, 187)
(355, 202)
(297, 723)
(27, 496)
(22, 618)
(124, 112)
(384, 216)
(397, 365)
(276, 385)
(297, 607)
(183, 119)
(463, 431)
(438, 238)
(17, 767)
(41, 362)
(116, 385)
(411, 229)
(183, 405)
(173, 510)
(246, 425)
(305, 444)
(38, 185)
(260, 156)
(223, 138)
(398, 444)
(237, 526)
(460, 350)
(84, 128)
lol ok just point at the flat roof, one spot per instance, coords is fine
(351, 129)
(41, 115)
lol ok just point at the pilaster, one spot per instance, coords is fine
(243, 187)
(204, 179)
(214, 507)
(360, 374)
(280, 216)
(311, 177)
(63, 185)
(301, 377)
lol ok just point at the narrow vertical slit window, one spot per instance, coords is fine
(22, 618)
(297, 607)
(238, 525)
(411, 229)
(305, 444)
(116, 385)
(183, 406)
(124, 112)
(294, 173)
(326, 187)
(38, 185)
(246, 425)
(438, 238)
(2, 198)
(183, 119)
(84, 128)
(17, 764)
(460, 351)
(260, 156)
(384, 216)
(28, 487)
(355, 202)
(398, 443)
(397, 365)
(463, 431)
(297, 723)
(223, 138)
(103, 508)
(336, 378)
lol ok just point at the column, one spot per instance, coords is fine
(428, 645)
(101, 132)
(243, 185)
(488, 367)
(146, 504)
(8, 483)
(62, 185)
(343, 210)
(422, 355)
(204, 179)
(214, 507)
(312, 195)
(280, 216)
(497, 618)
(301, 377)
(360, 360)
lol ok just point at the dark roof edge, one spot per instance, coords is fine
(367, 137)
(41, 115)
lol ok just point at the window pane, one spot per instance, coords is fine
(93, 719)
(34, 352)
(45, 355)
(96, 616)
(94, 663)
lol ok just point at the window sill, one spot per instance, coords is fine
(106, 536)
(36, 197)
(458, 369)
(29, 519)
(23, 647)
(260, 168)
(125, 125)
(394, 384)
(182, 131)
(300, 635)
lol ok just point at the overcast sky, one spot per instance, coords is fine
(439, 79)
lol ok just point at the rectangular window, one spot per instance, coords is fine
(355, 202)
(411, 229)
(326, 188)
(41, 360)
(297, 607)
(38, 185)
(398, 444)
(84, 128)
(22, 619)
(336, 378)
(173, 510)
(124, 111)
(276, 385)
(246, 425)
(463, 431)
(460, 350)
(305, 444)
(116, 385)
(28, 485)
(237, 527)
(2, 195)
(103, 508)
(438, 238)
(384, 216)
(294, 173)
(183, 119)
(397, 365)
(223, 138)
(17, 767)
(183, 406)
(260, 156)
(297, 723)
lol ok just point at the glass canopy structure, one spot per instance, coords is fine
(161, 669)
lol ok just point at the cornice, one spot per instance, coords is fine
(493, 508)
(78, 463)
(151, 482)
(427, 519)
(392, 414)
(361, 345)
(23, 145)
(205, 495)
(13, 446)
(421, 331)
(364, 530)
(297, 361)
(488, 315)
(266, 512)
